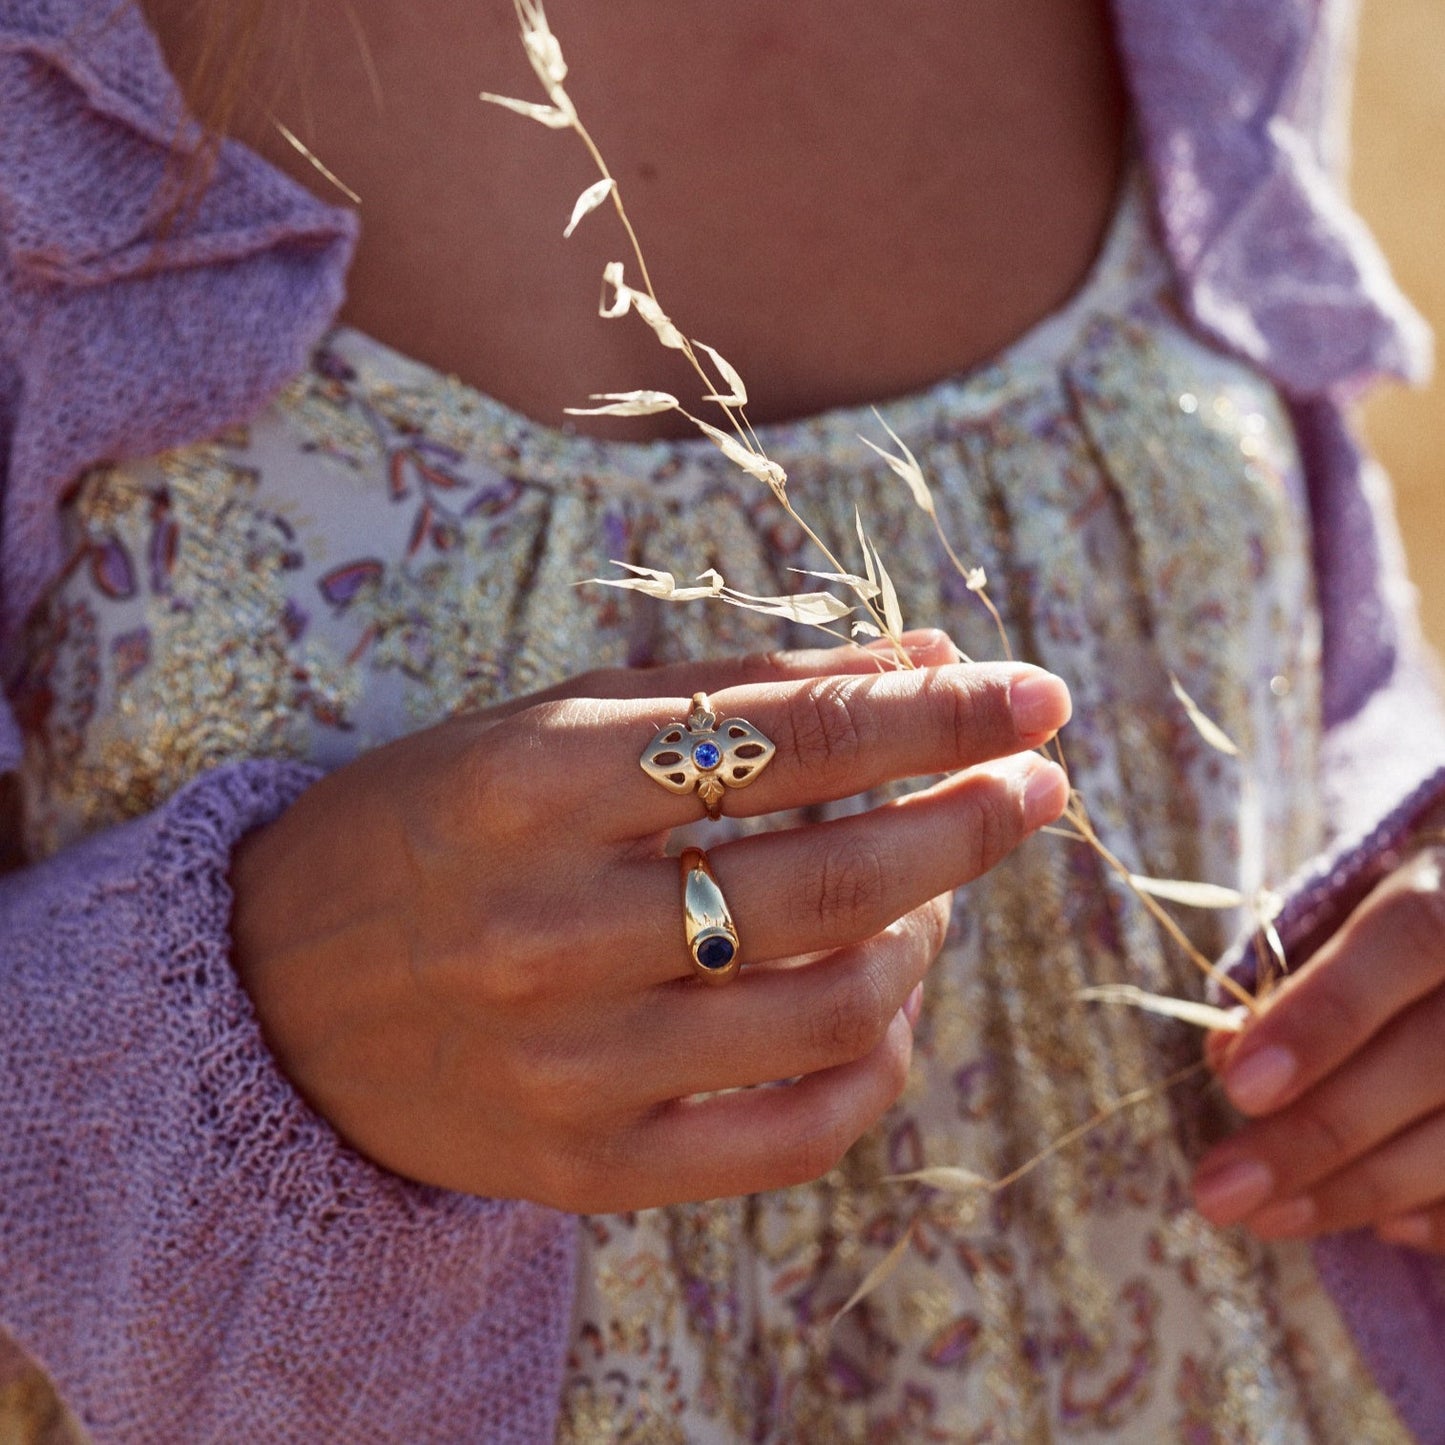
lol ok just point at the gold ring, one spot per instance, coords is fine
(712, 939)
(707, 755)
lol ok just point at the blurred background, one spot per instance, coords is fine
(1399, 185)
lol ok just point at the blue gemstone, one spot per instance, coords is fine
(707, 756)
(715, 952)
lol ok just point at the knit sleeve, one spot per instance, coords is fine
(185, 1247)
(138, 310)
(1383, 765)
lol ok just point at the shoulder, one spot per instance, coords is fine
(126, 329)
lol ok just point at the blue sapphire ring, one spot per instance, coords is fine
(712, 940)
(706, 756)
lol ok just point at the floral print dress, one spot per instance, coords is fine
(383, 547)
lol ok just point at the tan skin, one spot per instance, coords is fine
(850, 202)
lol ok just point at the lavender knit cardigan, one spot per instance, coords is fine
(184, 1246)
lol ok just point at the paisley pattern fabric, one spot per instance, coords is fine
(383, 547)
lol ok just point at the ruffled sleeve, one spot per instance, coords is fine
(189, 1251)
(1240, 105)
(128, 325)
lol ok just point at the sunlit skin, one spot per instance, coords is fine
(850, 200)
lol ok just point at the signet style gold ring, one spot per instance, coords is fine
(712, 938)
(707, 756)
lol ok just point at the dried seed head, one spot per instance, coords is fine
(905, 466)
(627, 403)
(1204, 725)
(814, 609)
(543, 48)
(588, 202)
(662, 585)
(554, 117)
(737, 394)
(1201, 1015)
(753, 463)
(1192, 895)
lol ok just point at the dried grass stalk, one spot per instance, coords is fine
(876, 598)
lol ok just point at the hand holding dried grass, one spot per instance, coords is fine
(874, 597)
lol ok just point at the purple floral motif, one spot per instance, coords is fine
(420, 469)
(954, 1344)
(295, 619)
(419, 529)
(131, 653)
(341, 585)
(111, 569)
(847, 1379)
(905, 1148)
(164, 545)
(1101, 1388)
(973, 1083)
(493, 501)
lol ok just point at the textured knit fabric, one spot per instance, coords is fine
(120, 336)
(185, 1247)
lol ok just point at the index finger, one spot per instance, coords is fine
(835, 737)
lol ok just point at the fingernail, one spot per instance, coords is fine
(914, 1006)
(1045, 794)
(926, 639)
(1218, 1042)
(1288, 1217)
(1040, 704)
(1256, 1082)
(1226, 1195)
(921, 642)
(1409, 1229)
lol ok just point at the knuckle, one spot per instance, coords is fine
(1417, 914)
(515, 969)
(497, 787)
(1320, 1141)
(828, 729)
(773, 665)
(971, 714)
(820, 1147)
(554, 1079)
(1368, 1193)
(852, 883)
(933, 920)
(567, 1178)
(854, 1016)
(485, 787)
(1338, 1015)
(600, 1168)
(997, 826)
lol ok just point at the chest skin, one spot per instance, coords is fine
(849, 199)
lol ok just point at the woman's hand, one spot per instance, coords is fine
(1343, 1076)
(466, 948)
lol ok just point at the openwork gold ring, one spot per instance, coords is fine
(706, 755)
(712, 939)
